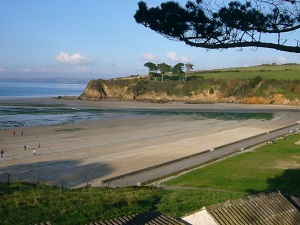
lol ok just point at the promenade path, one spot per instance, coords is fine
(180, 165)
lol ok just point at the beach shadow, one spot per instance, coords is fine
(66, 174)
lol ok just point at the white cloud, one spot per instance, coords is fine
(149, 57)
(76, 58)
(175, 58)
(185, 59)
(282, 59)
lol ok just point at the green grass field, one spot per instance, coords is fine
(266, 168)
(285, 72)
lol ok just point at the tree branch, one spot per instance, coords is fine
(285, 48)
(233, 25)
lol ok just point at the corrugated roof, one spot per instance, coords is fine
(261, 209)
(149, 218)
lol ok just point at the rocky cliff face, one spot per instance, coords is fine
(196, 91)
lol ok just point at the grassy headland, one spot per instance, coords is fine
(266, 71)
(264, 84)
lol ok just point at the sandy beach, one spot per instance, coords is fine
(90, 151)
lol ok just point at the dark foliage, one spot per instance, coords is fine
(215, 25)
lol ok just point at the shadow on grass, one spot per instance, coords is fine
(287, 183)
(66, 174)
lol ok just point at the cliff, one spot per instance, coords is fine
(251, 91)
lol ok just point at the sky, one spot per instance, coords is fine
(93, 39)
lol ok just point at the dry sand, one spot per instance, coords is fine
(90, 151)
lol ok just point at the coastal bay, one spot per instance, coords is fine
(93, 150)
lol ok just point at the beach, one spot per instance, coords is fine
(87, 152)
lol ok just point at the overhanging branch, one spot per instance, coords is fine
(235, 25)
(294, 49)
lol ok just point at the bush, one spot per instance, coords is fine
(255, 81)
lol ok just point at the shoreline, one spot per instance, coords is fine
(91, 151)
(70, 101)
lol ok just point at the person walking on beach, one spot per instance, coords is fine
(34, 151)
(14, 133)
(2, 153)
(22, 133)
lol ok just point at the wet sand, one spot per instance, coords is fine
(90, 151)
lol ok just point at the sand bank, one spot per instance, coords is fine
(90, 151)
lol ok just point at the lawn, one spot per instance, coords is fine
(266, 168)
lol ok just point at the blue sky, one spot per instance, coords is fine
(100, 39)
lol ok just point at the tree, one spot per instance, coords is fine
(177, 69)
(214, 25)
(188, 69)
(152, 68)
(163, 68)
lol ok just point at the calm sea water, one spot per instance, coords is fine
(33, 90)
(36, 115)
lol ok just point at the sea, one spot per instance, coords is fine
(39, 90)
(19, 115)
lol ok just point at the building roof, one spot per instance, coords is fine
(264, 208)
(141, 219)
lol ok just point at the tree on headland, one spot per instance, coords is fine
(152, 68)
(177, 70)
(163, 68)
(188, 69)
(216, 25)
